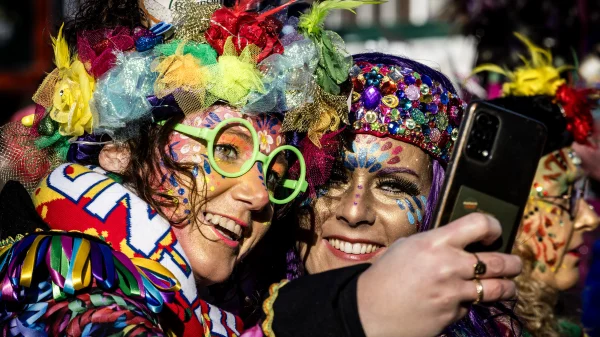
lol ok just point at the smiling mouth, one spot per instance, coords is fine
(353, 248)
(228, 228)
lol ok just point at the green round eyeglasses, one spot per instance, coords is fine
(239, 169)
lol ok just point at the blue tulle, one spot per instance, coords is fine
(120, 95)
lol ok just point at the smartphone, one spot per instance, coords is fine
(491, 170)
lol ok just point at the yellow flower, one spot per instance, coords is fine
(71, 100)
(72, 91)
(537, 76)
(533, 81)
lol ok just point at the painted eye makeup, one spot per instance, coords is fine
(226, 152)
(398, 185)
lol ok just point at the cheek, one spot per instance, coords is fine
(413, 209)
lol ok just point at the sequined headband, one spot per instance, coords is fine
(398, 102)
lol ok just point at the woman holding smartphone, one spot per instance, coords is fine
(375, 186)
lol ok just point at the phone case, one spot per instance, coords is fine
(500, 186)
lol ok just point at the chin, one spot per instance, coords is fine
(567, 279)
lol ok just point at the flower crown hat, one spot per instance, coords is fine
(116, 78)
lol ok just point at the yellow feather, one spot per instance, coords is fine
(62, 57)
(539, 57)
(491, 68)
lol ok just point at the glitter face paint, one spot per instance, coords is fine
(547, 228)
(380, 198)
(408, 205)
(372, 157)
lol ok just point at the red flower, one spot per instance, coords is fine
(577, 106)
(96, 48)
(245, 28)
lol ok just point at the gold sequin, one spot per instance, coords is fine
(391, 101)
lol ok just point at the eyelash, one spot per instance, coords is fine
(221, 148)
(398, 185)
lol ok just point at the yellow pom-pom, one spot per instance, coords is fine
(28, 120)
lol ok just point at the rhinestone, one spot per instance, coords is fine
(435, 135)
(409, 79)
(427, 80)
(388, 87)
(426, 99)
(410, 124)
(444, 98)
(370, 117)
(355, 97)
(412, 93)
(396, 75)
(454, 134)
(395, 114)
(390, 101)
(383, 128)
(393, 128)
(357, 125)
(418, 116)
(441, 121)
(355, 71)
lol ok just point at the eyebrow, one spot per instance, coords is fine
(247, 138)
(392, 170)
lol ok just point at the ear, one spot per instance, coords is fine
(114, 158)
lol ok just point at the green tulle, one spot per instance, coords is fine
(201, 51)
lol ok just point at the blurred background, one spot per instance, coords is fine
(450, 35)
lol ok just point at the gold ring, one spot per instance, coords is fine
(479, 288)
(479, 268)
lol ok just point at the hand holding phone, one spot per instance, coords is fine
(492, 169)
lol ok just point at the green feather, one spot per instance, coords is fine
(312, 22)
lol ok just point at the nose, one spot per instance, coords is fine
(587, 219)
(251, 189)
(354, 209)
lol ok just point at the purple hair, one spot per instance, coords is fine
(436, 186)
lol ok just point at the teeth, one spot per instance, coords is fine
(224, 222)
(353, 248)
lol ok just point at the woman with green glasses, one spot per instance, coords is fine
(154, 160)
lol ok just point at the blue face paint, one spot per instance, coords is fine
(361, 158)
(419, 201)
(260, 174)
(400, 204)
(411, 218)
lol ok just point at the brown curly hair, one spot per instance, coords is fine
(536, 300)
(149, 159)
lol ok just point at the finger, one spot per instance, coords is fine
(497, 265)
(471, 228)
(493, 290)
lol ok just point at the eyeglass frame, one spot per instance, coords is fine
(209, 135)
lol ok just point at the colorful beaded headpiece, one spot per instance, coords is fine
(392, 98)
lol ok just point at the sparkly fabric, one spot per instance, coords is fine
(392, 101)
(20, 159)
(192, 19)
(288, 79)
(120, 95)
(97, 48)
(324, 114)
